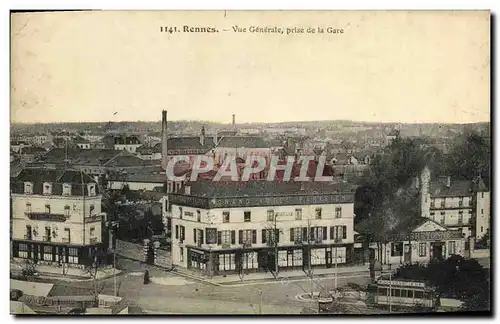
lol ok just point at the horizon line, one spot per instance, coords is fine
(248, 123)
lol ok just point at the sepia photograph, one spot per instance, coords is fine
(233, 162)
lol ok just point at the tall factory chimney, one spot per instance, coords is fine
(164, 140)
(234, 120)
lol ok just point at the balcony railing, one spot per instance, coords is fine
(46, 217)
(46, 238)
(94, 218)
(93, 240)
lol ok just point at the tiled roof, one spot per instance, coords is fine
(242, 141)
(57, 177)
(193, 143)
(126, 160)
(458, 188)
(208, 188)
(81, 140)
(79, 156)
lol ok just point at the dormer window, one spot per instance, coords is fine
(66, 189)
(47, 188)
(28, 188)
(91, 188)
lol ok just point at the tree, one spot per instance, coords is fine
(92, 269)
(385, 200)
(28, 271)
(455, 277)
(469, 157)
(484, 241)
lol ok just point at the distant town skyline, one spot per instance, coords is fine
(407, 67)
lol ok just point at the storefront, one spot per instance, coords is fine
(54, 253)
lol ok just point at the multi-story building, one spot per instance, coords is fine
(122, 142)
(229, 227)
(56, 217)
(456, 204)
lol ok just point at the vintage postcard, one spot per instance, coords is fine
(250, 162)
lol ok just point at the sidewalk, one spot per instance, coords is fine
(231, 279)
(69, 274)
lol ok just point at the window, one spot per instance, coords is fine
(442, 218)
(338, 212)
(318, 213)
(23, 250)
(248, 237)
(451, 247)
(481, 229)
(298, 214)
(66, 211)
(482, 211)
(433, 202)
(73, 255)
(28, 188)
(225, 217)
(28, 232)
(198, 216)
(270, 236)
(47, 188)
(47, 253)
(66, 189)
(270, 215)
(225, 237)
(28, 207)
(181, 254)
(92, 207)
(47, 209)
(227, 262)
(47, 234)
(67, 235)
(247, 217)
(443, 202)
(418, 294)
(182, 233)
(91, 189)
(404, 293)
(461, 202)
(92, 232)
(396, 249)
(180, 212)
(176, 232)
(460, 217)
(396, 292)
(422, 249)
(296, 234)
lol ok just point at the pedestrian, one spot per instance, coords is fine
(146, 277)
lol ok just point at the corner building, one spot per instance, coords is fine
(221, 228)
(57, 218)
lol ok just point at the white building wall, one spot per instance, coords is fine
(285, 222)
(416, 255)
(127, 147)
(483, 213)
(78, 208)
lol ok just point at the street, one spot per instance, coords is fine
(180, 295)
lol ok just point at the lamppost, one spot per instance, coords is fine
(113, 228)
(390, 280)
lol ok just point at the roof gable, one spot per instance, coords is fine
(429, 226)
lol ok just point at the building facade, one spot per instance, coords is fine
(245, 231)
(427, 240)
(56, 217)
(456, 204)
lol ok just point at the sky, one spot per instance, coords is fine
(407, 67)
